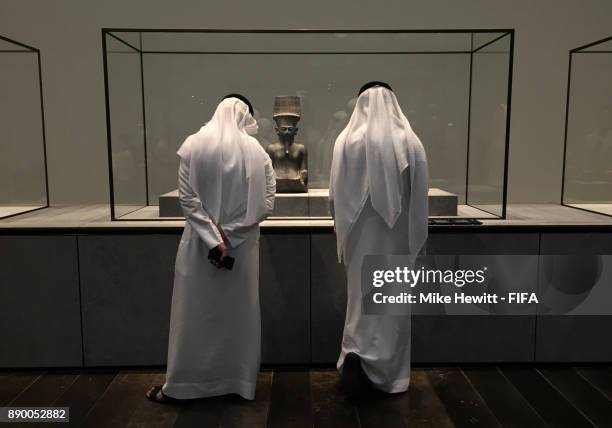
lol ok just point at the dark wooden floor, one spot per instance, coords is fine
(438, 397)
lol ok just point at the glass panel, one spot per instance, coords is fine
(588, 157)
(304, 42)
(182, 92)
(126, 121)
(22, 156)
(130, 40)
(185, 74)
(9, 46)
(489, 108)
(481, 40)
(604, 46)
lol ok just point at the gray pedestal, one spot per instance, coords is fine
(442, 203)
(169, 205)
(314, 204)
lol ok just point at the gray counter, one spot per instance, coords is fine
(80, 290)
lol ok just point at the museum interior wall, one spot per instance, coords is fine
(74, 92)
(97, 281)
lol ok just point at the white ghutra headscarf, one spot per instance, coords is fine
(226, 166)
(369, 157)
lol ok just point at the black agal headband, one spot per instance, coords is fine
(373, 84)
(241, 98)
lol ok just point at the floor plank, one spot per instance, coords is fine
(290, 404)
(552, 407)
(599, 377)
(583, 396)
(437, 397)
(254, 414)
(119, 401)
(331, 407)
(46, 389)
(378, 409)
(83, 393)
(228, 411)
(504, 400)
(12, 385)
(205, 412)
(150, 414)
(462, 402)
(424, 406)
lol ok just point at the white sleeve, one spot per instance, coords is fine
(194, 211)
(270, 186)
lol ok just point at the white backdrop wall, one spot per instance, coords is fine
(68, 34)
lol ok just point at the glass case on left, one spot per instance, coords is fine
(23, 160)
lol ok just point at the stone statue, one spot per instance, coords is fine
(290, 159)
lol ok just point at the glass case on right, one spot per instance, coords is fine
(587, 158)
(23, 162)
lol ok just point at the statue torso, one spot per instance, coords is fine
(290, 167)
(286, 165)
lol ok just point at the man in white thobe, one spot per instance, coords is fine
(226, 187)
(378, 198)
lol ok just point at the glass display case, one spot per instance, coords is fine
(587, 154)
(454, 87)
(23, 161)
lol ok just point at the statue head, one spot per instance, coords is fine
(286, 126)
(286, 113)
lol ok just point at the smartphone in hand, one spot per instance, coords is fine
(227, 262)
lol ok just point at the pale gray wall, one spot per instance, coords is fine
(68, 33)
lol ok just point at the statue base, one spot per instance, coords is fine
(314, 203)
(290, 185)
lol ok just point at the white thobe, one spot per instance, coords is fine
(215, 328)
(378, 197)
(381, 341)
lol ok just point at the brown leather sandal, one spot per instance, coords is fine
(152, 395)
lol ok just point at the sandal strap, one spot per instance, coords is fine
(164, 398)
(153, 394)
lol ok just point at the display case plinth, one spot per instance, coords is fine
(315, 204)
(169, 205)
(442, 203)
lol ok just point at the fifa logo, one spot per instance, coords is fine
(522, 298)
